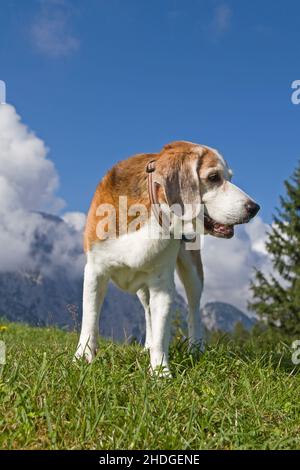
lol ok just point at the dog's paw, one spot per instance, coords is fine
(161, 372)
(86, 351)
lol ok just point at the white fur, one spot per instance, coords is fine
(226, 204)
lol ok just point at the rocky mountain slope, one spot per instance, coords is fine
(220, 316)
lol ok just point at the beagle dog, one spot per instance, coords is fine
(132, 237)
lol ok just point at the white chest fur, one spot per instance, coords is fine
(131, 259)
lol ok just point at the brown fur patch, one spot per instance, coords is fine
(129, 178)
(209, 160)
(126, 178)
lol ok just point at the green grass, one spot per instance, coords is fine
(235, 396)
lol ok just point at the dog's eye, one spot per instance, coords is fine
(214, 177)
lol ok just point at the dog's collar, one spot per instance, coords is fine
(155, 205)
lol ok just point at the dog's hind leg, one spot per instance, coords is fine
(190, 272)
(94, 289)
(144, 297)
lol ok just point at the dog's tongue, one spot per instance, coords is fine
(217, 229)
(225, 230)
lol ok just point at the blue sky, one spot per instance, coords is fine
(99, 80)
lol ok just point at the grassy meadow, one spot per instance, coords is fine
(237, 395)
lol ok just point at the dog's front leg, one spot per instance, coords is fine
(94, 288)
(161, 301)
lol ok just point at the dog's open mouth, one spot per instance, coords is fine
(216, 229)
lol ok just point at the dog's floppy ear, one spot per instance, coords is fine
(178, 173)
(182, 185)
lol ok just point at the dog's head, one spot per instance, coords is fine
(193, 174)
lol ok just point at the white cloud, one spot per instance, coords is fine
(75, 220)
(51, 30)
(28, 180)
(228, 264)
(221, 21)
(257, 232)
(28, 184)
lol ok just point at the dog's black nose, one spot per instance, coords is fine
(252, 208)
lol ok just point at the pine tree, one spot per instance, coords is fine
(276, 297)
